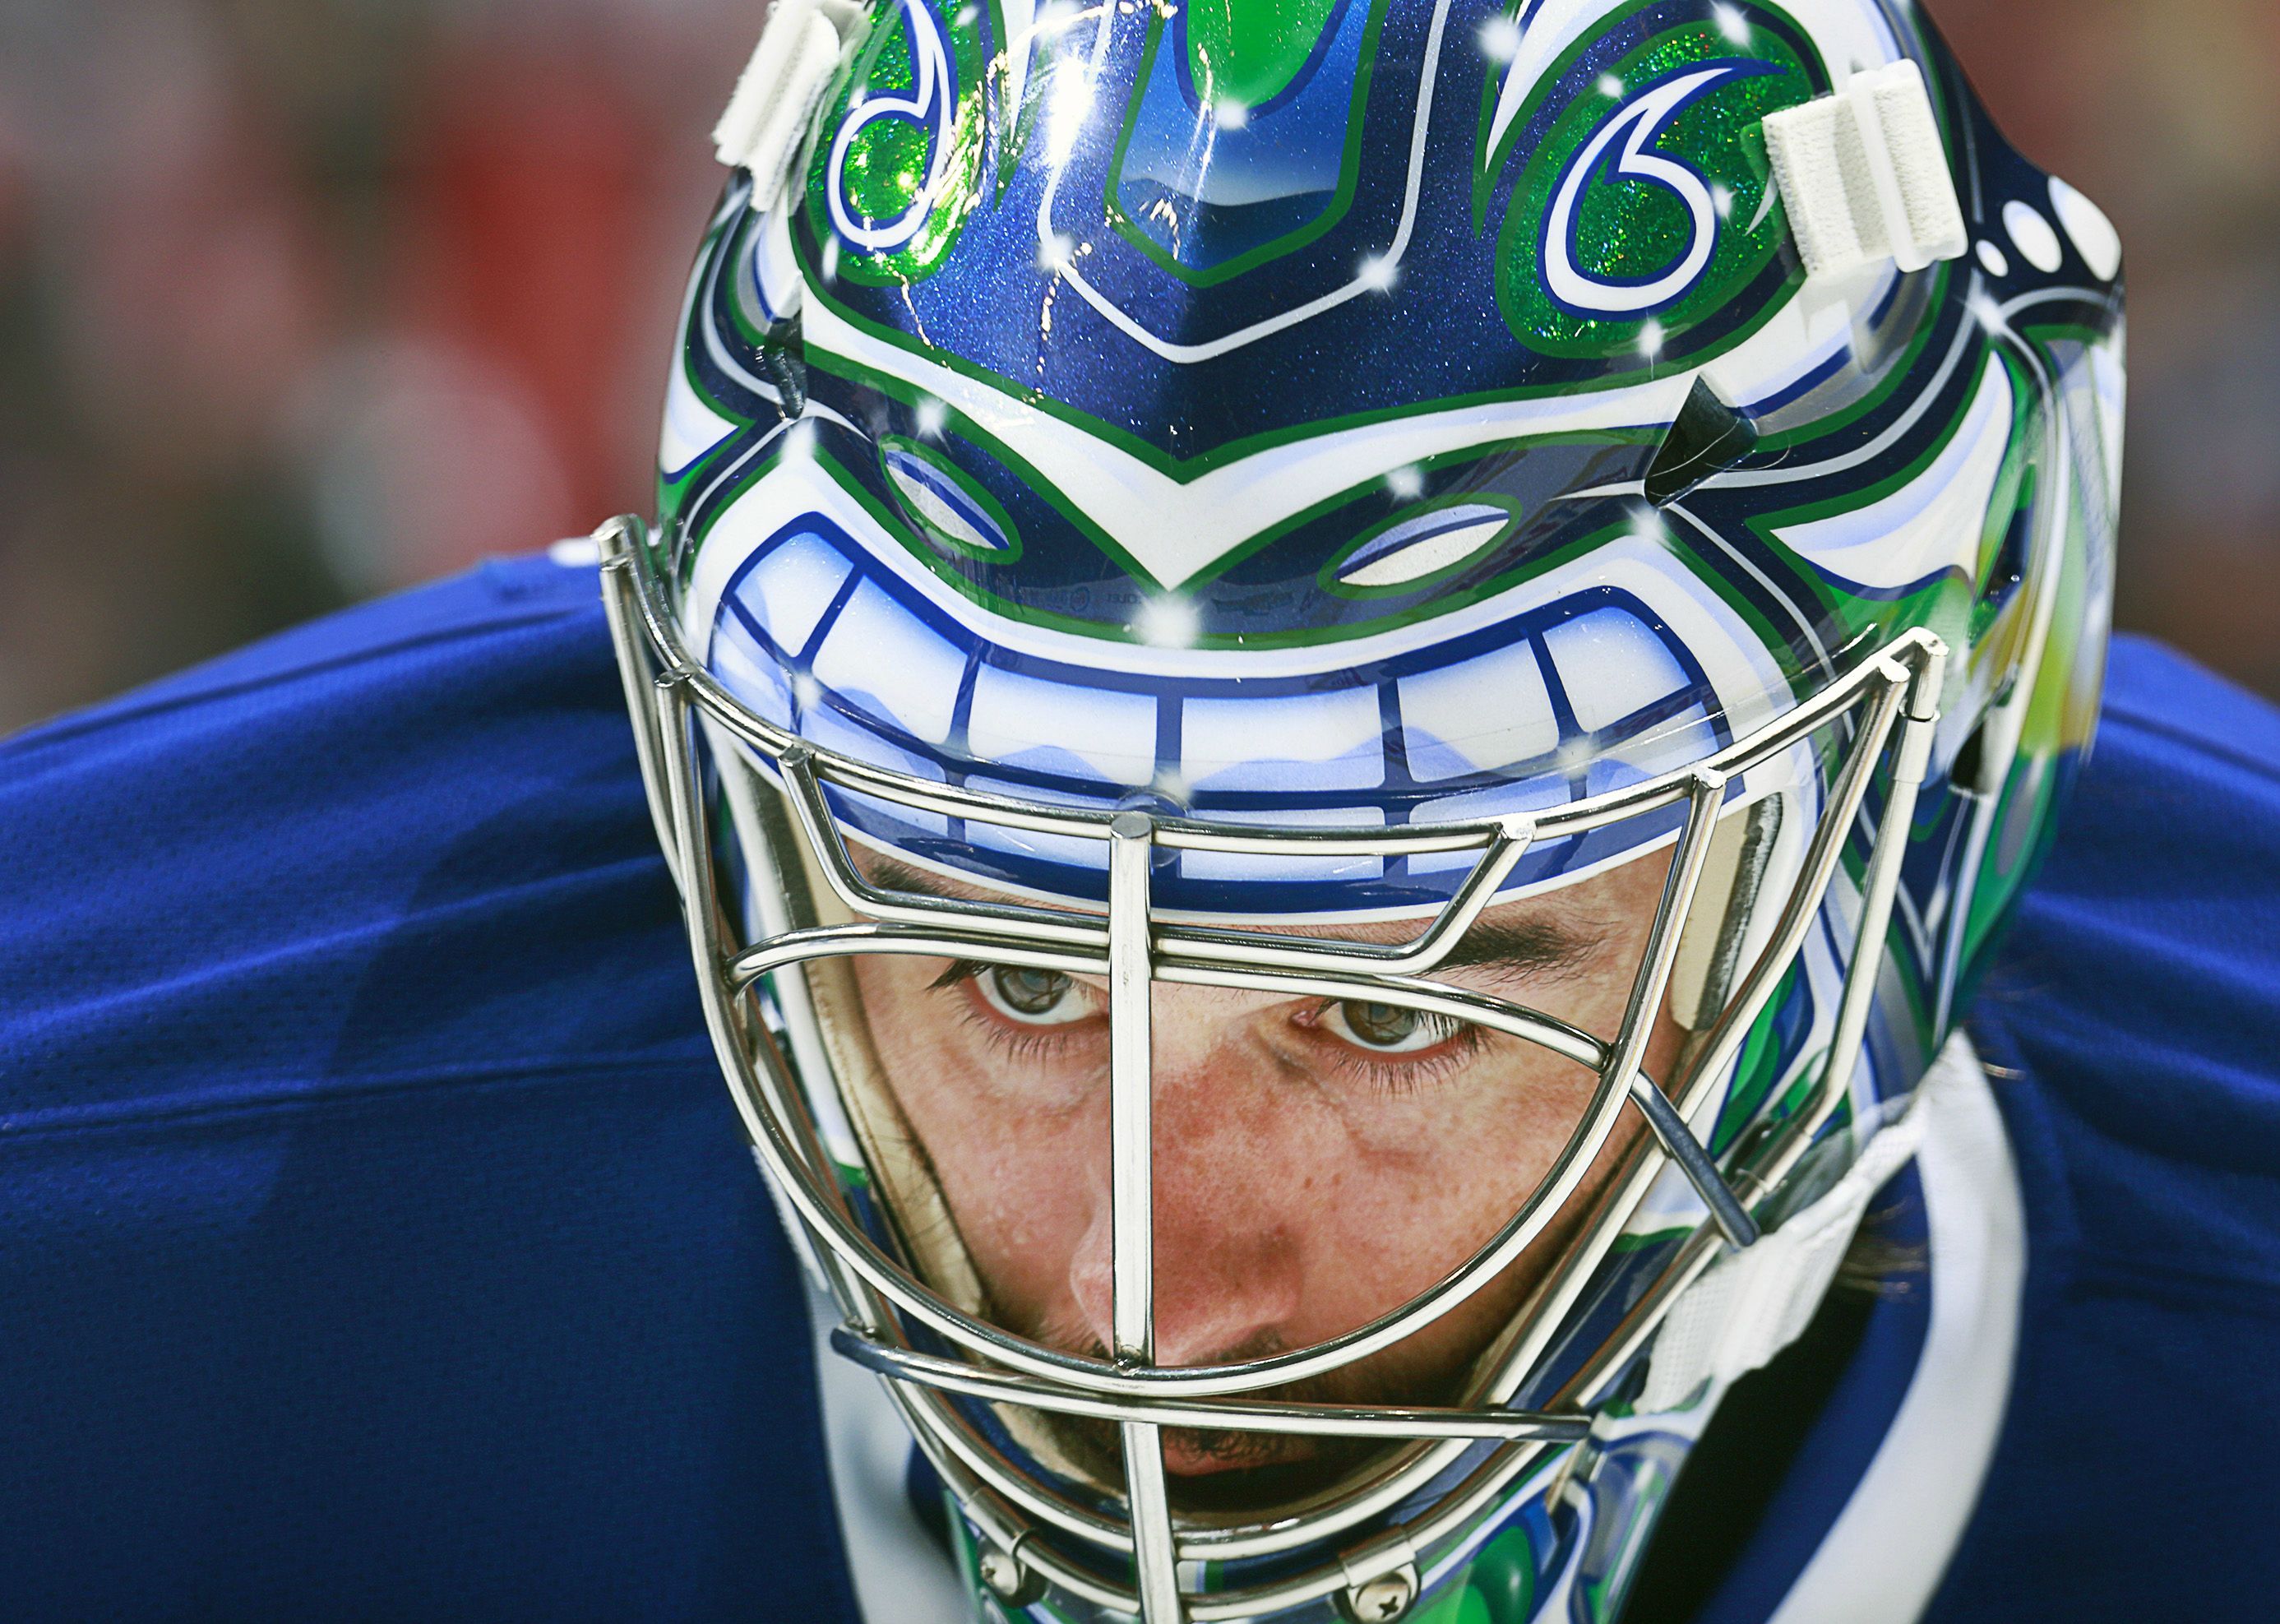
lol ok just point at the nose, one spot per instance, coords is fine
(1233, 1168)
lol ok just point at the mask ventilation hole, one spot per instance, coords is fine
(1709, 436)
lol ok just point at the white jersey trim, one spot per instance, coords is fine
(901, 1575)
(1890, 1547)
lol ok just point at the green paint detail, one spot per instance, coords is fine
(2048, 332)
(2064, 712)
(2017, 484)
(973, 492)
(729, 494)
(1497, 1585)
(1628, 1243)
(1328, 576)
(957, 422)
(1803, 1084)
(1007, 118)
(962, 1547)
(1755, 1072)
(888, 160)
(1181, 469)
(1632, 229)
(911, 542)
(1349, 170)
(752, 476)
(2061, 710)
(1945, 606)
(1504, 581)
(673, 494)
(1251, 52)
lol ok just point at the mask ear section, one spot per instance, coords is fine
(1708, 436)
(831, 1043)
(809, 900)
(830, 1036)
(1710, 944)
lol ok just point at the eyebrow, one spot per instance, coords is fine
(1523, 948)
(1509, 949)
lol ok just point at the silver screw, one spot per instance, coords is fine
(1008, 1581)
(1382, 1600)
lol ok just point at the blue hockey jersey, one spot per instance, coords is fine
(377, 1240)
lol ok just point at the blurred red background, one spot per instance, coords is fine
(304, 300)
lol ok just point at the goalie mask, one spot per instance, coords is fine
(1344, 694)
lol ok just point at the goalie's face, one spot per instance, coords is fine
(1317, 1162)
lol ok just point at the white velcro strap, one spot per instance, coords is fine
(1751, 1304)
(1864, 176)
(767, 115)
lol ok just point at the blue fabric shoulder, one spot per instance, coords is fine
(376, 1238)
(2133, 1037)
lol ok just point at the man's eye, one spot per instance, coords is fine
(1033, 997)
(1389, 1028)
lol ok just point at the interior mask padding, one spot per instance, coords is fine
(1710, 944)
(912, 1197)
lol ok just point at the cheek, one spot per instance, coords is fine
(1429, 1178)
(1483, 1136)
(1436, 1218)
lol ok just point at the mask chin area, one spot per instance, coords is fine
(828, 1039)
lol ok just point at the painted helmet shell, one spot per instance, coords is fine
(1364, 416)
